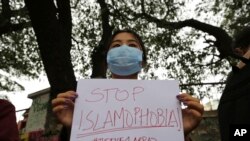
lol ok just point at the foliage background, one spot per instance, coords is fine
(187, 54)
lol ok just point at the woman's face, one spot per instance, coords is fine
(125, 38)
(130, 40)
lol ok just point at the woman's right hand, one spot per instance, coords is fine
(63, 107)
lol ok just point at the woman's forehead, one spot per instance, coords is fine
(124, 36)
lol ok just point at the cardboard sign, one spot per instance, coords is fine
(127, 110)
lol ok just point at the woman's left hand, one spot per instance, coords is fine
(192, 114)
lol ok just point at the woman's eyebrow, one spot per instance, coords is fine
(116, 41)
(133, 40)
(130, 40)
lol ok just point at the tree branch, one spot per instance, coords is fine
(13, 27)
(77, 2)
(223, 40)
(142, 6)
(6, 12)
(209, 64)
(20, 12)
(5, 24)
(204, 83)
(98, 54)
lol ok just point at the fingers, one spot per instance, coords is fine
(186, 97)
(59, 108)
(193, 104)
(194, 109)
(68, 94)
(64, 101)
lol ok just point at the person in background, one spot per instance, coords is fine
(22, 123)
(234, 105)
(126, 55)
(8, 125)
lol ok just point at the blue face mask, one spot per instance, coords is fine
(124, 60)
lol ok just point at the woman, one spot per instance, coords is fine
(125, 58)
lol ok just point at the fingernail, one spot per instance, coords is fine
(65, 107)
(76, 95)
(73, 97)
(67, 101)
(185, 103)
(178, 96)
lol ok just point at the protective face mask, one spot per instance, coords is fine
(124, 60)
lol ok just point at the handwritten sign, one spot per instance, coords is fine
(127, 110)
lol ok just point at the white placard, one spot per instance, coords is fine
(127, 110)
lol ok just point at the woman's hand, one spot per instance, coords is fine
(192, 114)
(63, 107)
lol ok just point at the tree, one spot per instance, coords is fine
(165, 28)
(18, 49)
(161, 25)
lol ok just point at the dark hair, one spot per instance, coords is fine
(242, 39)
(144, 57)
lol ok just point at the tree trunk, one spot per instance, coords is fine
(52, 26)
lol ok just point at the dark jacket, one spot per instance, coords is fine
(234, 106)
(8, 130)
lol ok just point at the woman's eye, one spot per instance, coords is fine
(133, 45)
(115, 45)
